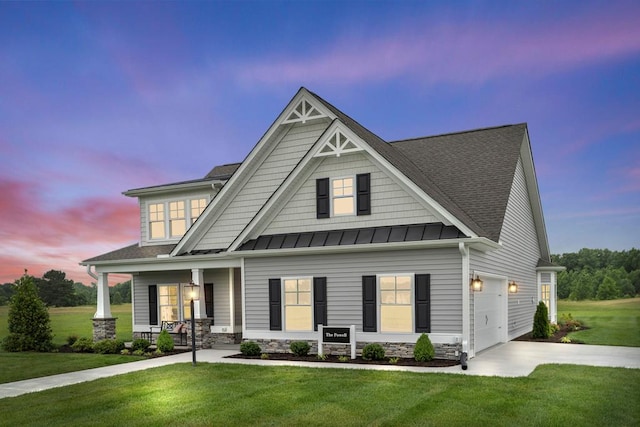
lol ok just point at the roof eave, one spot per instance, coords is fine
(175, 187)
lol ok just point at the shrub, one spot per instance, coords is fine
(139, 353)
(394, 360)
(83, 345)
(541, 322)
(300, 348)
(373, 351)
(125, 352)
(321, 356)
(264, 356)
(250, 348)
(423, 351)
(108, 346)
(553, 328)
(72, 339)
(165, 341)
(343, 358)
(569, 322)
(140, 344)
(29, 323)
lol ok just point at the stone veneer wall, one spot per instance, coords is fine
(104, 329)
(442, 351)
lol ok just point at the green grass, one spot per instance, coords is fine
(66, 321)
(615, 322)
(22, 366)
(235, 395)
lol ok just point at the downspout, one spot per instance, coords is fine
(92, 274)
(466, 318)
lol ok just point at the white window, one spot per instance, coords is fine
(168, 303)
(342, 196)
(297, 304)
(177, 219)
(545, 295)
(197, 206)
(156, 221)
(396, 305)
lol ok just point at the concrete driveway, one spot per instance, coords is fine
(512, 359)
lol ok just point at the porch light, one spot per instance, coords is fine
(513, 287)
(476, 284)
(193, 291)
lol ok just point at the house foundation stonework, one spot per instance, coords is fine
(404, 350)
(104, 329)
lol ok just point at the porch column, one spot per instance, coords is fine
(197, 277)
(104, 324)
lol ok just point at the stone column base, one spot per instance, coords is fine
(104, 329)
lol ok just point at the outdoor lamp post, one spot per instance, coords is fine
(193, 290)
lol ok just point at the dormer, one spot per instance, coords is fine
(168, 211)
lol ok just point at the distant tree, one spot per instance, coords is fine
(6, 292)
(608, 289)
(56, 290)
(124, 290)
(85, 295)
(29, 324)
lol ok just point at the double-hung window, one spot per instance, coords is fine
(197, 207)
(171, 219)
(177, 219)
(156, 221)
(297, 304)
(396, 309)
(168, 303)
(342, 197)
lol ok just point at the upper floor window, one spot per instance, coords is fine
(156, 221)
(343, 196)
(342, 199)
(172, 219)
(197, 207)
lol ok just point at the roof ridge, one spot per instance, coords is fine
(459, 132)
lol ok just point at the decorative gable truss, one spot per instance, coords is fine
(337, 144)
(303, 112)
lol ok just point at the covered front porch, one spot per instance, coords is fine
(161, 299)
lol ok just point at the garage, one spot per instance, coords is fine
(489, 316)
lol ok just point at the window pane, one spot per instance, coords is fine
(403, 282)
(298, 318)
(176, 210)
(178, 227)
(291, 298)
(197, 206)
(290, 285)
(304, 298)
(157, 230)
(403, 297)
(395, 318)
(388, 282)
(387, 297)
(343, 206)
(168, 302)
(304, 285)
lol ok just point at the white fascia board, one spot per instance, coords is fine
(479, 243)
(248, 167)
(168, 264)
(534, 195)
(173, 188)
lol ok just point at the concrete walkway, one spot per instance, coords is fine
(512, 359)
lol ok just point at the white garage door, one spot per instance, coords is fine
(488, 316)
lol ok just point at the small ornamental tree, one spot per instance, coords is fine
(29, 324)
(423, 351)
(165, 341)
(541, 322)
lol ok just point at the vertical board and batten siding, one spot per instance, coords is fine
(145, 200)
(142, 282)
(517, 259)
(344, 283)
(390, 204)
(261, 185)
(221, 301)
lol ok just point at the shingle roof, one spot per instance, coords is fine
(475, 169)
(223, 172)
(354, 236)
(133, 252)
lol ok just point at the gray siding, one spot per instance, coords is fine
(221, 302)
(344, 283)
(517, 259)
(237, 292)
(390, 204)
(261, 185)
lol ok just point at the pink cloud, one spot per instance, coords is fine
(467, 52)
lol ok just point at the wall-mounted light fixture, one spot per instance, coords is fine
(476, 284)
(513, 287)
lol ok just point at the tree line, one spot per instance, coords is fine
(56, 290)
(599, 274)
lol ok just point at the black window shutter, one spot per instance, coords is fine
(153, 304)
(322, 198)
(208, 299)
(423, 303)
(275, 305)
(363, 184)
(369, 304)
(319, 302)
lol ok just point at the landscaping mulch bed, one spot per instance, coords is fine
(557, 337)
(358, 360)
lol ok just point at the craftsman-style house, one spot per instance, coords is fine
(325, 223)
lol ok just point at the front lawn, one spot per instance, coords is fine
(614, 322)
(221, 394)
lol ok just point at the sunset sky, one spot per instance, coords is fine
(100, 97)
